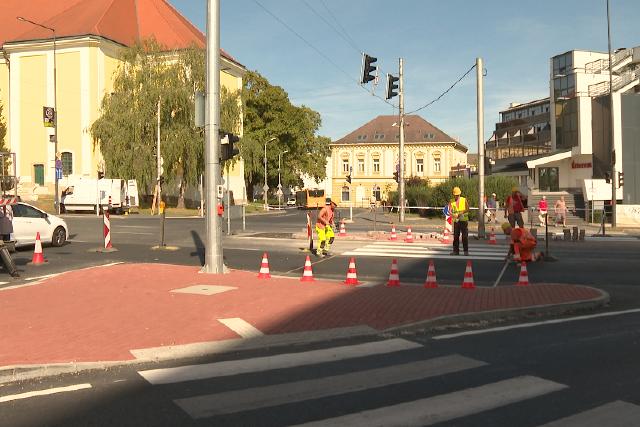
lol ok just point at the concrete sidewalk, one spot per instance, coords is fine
(135, 312)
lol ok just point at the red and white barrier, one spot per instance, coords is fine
(107, 230)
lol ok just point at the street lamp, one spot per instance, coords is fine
(614, 196)
(279, 184)
(55, 109)
(266, 186)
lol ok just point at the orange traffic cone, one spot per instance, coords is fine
(38, 256)
(264, 268)
(445, 238)
(468, 282)
(343, 231)
(352, 274)
(394, 276)
(409, 238)
(431, 276)
(523, 280)
(307, 274)
(492, 237)
(394, 236)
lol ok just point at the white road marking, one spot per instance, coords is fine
(445, 407)
(533, 324)
(280, 361)
(423, 250)
(298, 391)
(614, 414)
(241, 327)
(46, 276)
(3, 283)
(46, 392)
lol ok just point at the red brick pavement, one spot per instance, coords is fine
(100, 314)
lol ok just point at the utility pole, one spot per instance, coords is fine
(213, 262)
(614, 196)
(158, 162)
(401, 148)
(480, 108)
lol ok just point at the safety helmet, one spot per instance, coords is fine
(505, 225)
(514, 189)
(457, 191)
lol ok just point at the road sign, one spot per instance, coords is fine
(48, 116)
(265, 187)
(279, 192)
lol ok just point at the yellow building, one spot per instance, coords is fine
(370, 156)
(88, 37)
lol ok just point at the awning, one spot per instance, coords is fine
(531, 164)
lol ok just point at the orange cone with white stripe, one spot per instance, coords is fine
(394, 236)
(523, 280)
(264, 268)
(394, 276)
(352, 274)
(38, 256)
(492, 237)
(445, 238)
(468, 282)
(343, 230)
(409, 238)
(431, 276)
(307, 274)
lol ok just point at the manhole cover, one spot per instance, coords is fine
(204, 289)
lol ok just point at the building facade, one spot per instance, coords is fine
(89, 36)
(370, 154)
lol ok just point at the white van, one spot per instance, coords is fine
(91, 194)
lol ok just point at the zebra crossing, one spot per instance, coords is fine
(480, 251)
(393, 362)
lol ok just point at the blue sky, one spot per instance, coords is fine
(439, 41)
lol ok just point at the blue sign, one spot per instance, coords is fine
(445, 211)
(58, 173)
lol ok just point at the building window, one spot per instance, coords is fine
(67, 163)
(436, 164)
(345, 194)
(378, 136)
(345, 165)
(376, 193)
(420, 166)
(360, 165)
(376, 165)
(38, 174)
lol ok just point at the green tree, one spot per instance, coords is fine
(6, 183)
(268, 113)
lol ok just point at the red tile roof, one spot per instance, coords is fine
(123, 21)
(416, 129)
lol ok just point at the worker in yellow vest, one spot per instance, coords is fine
(460, 216)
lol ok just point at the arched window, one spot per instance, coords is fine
(345, 193)
(67, 163)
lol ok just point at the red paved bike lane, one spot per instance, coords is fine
(100, 314)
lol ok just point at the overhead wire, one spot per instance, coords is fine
(443, 93)
(353, 43)
(318, 51)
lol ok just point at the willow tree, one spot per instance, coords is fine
(126, 131)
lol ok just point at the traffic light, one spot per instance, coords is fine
(620, 179)
(227, 150)
(392, 86)
(349, 178)
(607, 177)
(100, 174)
(368, 68)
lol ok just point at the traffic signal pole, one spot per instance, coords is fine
(401, 148)
(213, 262)
(480, 107)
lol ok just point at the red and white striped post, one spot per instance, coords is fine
(107, 230)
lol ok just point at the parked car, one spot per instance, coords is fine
(29, 220)
(291, 201)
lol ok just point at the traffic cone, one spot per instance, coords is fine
(38, 256)
(523, 280)
(468, 282)
(343, 231)
(445, 238)
(352, 274)
(264, 268)
(431, 276)
(394, 236)
(307, 274)
(409, 238)
(492, 237)
(394, 276)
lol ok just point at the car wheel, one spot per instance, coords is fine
(59, 237)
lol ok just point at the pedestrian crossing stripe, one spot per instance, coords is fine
(423, 411)
(412, 250)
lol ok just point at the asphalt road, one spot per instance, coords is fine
(582, 372)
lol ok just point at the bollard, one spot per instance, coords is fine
(575, 234)
(567, 234)
(582, 234)
(534, 232)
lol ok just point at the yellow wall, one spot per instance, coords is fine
(4, 94)
(34, 137)
(69, 118)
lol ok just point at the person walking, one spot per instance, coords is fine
(491, 209)
(543, 209)
(324, 227)
(560, 209)
(514, 208)
(460, 216)
(6, 222)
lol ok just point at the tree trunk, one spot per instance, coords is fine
(181, 196)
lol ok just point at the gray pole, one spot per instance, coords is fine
(158, 158)
(228, 204)
(401, 149)
(55, 122)
(613, 145)
(213, 245)
(266, 186)
(480, 106)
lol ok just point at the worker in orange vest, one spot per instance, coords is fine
(524, 241)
